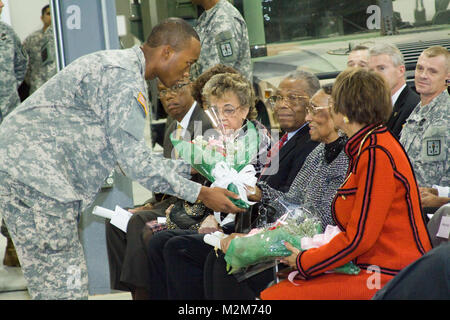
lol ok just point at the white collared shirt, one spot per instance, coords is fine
(186, 119)
(395, 96)
(291, 134)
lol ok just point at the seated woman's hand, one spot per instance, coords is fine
(256, 196)
(292, 259)
(424, 190)
(430, 200)
(145, 207)
(209, 225)
(225, 242)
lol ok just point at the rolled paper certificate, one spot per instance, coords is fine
(103, 212)
(120, 218)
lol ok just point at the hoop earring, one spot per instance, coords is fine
(345, 119)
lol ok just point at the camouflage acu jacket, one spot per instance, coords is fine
(40, 47)
(224, 39)
(13, 65)
(65, 139)
(425, 137)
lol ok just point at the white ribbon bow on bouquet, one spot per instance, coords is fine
(224, 175)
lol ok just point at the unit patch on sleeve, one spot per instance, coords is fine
(226, 49)
(433, 148)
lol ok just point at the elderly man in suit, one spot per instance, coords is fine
(289, 103)
(287, 157)
(387, 60)
(126, 254)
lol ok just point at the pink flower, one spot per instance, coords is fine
(215, 143)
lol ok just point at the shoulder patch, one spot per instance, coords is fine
(433, 148)
(225, 49)
(141, 99)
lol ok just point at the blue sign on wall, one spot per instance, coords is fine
(82, 27)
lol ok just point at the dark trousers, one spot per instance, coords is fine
(127, 256)
(176, 259)
(219, 285)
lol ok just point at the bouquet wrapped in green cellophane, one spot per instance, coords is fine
(299, 228)
(226, 160)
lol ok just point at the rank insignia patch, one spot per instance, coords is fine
(143, 102)
(433, 147)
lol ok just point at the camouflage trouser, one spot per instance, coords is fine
(45, 234)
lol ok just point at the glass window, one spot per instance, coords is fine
(297, 20)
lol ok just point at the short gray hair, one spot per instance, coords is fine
(311, 80)
(388, 49)
(221, 84)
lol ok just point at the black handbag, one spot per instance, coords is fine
(185, 215)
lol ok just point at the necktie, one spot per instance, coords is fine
(274, 151)
(178, 137)
(276, 148)
(282, 141)
(178, 132)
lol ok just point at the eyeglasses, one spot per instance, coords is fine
(291, 100)
(313, 109)
(227, 111)
(174, 89)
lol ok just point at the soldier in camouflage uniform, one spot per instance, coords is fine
(224, 38)
(425, 135)
(13, 65)
(40, 47)
(58, 147)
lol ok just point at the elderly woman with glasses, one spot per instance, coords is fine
(232, 99)
(377, 208)
(324, 169)
(313, 188)
(176, 257)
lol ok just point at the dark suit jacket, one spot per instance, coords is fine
(403, 107)
(292, 156)
(197, 115)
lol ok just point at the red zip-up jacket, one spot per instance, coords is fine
(377, 208)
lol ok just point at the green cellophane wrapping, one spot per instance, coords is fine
(204, 157)
(348, 268)
(268, 245)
